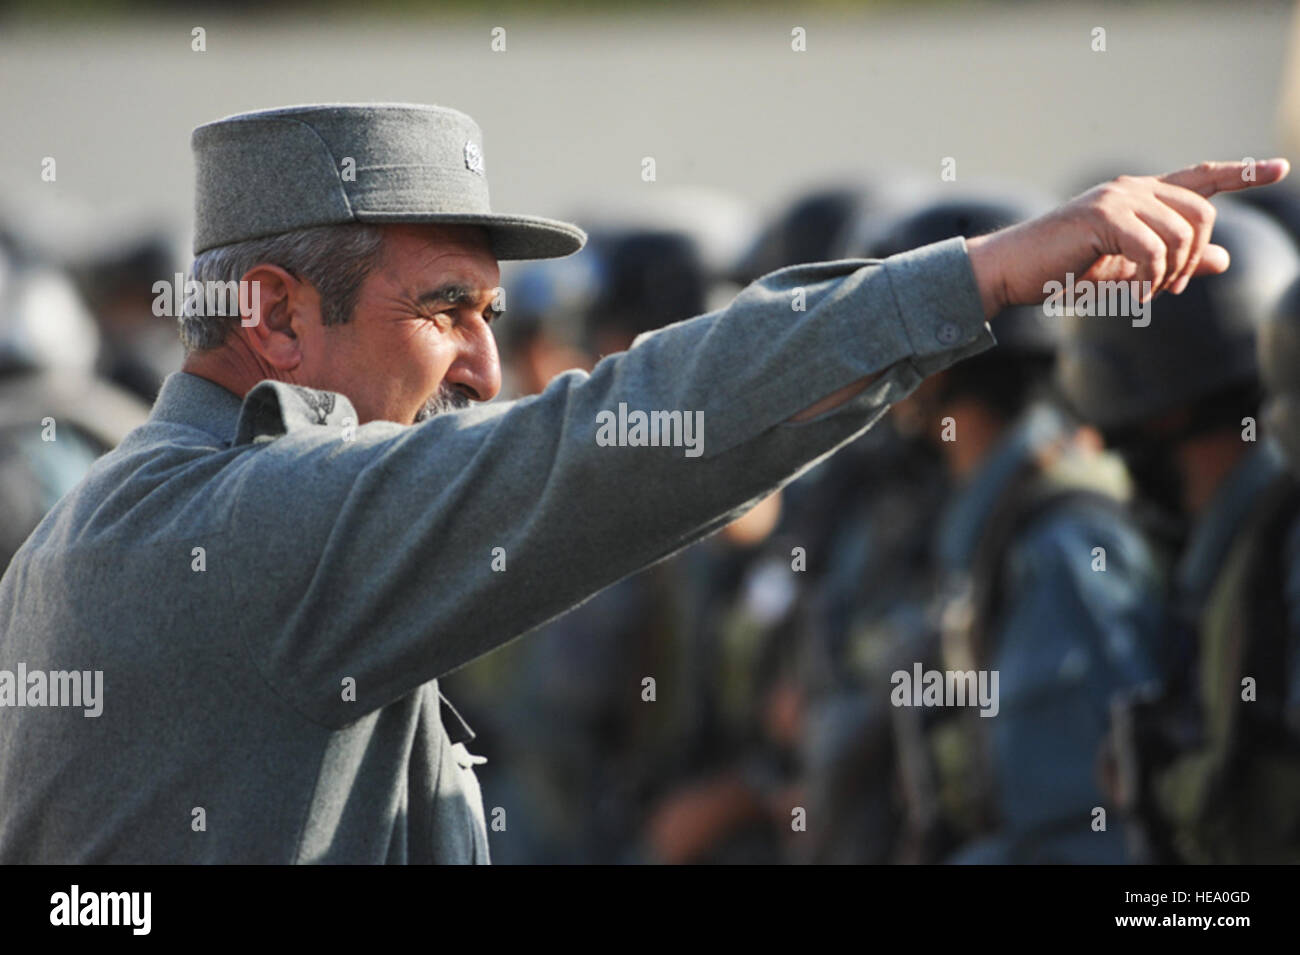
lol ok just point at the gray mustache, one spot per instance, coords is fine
(447, 399)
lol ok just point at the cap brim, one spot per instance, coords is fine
(513, 237)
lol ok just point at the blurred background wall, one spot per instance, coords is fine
(581, 94)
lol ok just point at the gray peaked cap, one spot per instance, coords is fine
(277, 170)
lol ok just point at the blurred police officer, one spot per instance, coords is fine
(771, 717)
(1043, 581)
(1206, 764)
(546, 301)
(860, 521)
(56, 415)
(117, 274)
(707, 744)
(864, 519)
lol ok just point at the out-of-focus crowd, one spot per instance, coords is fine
(1092, 530)
(82, 356)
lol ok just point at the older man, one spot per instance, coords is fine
(272, 573)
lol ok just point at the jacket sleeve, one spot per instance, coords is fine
(392, 555)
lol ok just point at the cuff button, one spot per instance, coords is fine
(947, 333)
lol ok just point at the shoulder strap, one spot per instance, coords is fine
(1030, 496)
(1258, 635)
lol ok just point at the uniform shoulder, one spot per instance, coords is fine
(274, 408)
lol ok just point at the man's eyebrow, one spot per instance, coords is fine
(456, 293)
(453, 293)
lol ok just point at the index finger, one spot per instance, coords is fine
(1207, 178)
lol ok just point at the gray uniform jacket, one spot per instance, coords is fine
(270, 592)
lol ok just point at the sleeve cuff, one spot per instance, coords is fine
(938, 304)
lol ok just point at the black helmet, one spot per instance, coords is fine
(809, 229)
(1020, 330)
(132, 259)
(1279, 366)
(1281, 203)
(645, 279)
(1197, 345)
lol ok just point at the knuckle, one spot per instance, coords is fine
(1200, 213)
(1153, 250)
(1110, 192)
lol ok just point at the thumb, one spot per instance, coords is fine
(1214, 259)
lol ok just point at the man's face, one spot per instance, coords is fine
(419, 339)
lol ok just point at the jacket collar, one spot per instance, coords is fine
(198, 403)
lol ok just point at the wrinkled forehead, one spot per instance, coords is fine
(459, 256)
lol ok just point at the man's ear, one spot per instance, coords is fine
(271, 303)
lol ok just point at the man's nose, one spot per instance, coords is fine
(477, 368)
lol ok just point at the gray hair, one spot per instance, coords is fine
(334, 259)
